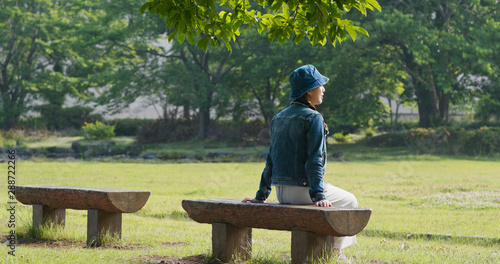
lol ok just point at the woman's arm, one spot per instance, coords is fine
(265, 180)
(315, 163)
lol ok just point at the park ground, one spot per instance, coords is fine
(426, 208)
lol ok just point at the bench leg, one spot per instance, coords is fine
(101, 223)
(43, 214)
(307, 247)
(229, 241)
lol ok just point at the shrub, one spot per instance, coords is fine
(427, 140)
(484, 141)
(32, 122)
(386, 140)
(402, 125)
(340, 137)
(128, 126)
(98, 131)
(55, 117)
(167, 130)
(370, 132)
(173, 130)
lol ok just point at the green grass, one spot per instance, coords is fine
(408, 194)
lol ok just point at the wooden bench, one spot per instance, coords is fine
(312, 227)
(105, 207)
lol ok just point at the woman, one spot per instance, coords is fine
(296, 160)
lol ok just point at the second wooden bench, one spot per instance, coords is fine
(104, 206)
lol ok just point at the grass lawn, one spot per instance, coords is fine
(408, 194)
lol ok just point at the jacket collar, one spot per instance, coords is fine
(299, 103)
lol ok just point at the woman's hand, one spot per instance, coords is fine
(324, 203)
(251, 200)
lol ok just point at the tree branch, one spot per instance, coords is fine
(11, 51)
(31, 54)
(218, 74)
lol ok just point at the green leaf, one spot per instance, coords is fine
(237, 25)
(299, 38)
(187, 17)
(278, 21)
(228, 46)
(203, 43)
(323, 41)
(285, 11)
(144, 7)
(261, 28)
(351, 32)
(172, 36)
(375, 4)
(181, 37)
(339, 4)
(362, 31)
(190, 38)
(267, 16)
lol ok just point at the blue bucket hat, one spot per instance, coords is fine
(305, 78)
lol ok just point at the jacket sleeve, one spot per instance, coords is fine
(265, 180)
(315, 163)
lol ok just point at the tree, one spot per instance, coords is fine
(27, 28)
(50, 49)
(207, 69)
(219, 21)
(442, 47)
(265, 67)
(488, 106)
(358, 80)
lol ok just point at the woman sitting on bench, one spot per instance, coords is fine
(297, 155)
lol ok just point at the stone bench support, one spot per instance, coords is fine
(313, 228)
(229, 241)
(104, 207)
(101, 223)
(43, 214)
(308, 246)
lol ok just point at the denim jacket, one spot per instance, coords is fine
(297, 153)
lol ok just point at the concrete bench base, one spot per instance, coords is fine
(308, 246)
(99, 223)
(231, 242)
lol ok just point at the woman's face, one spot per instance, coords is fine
(315, 96)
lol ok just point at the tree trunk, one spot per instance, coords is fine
(10, 110)
(444, 106)
(428, 114)
(185, 112)
(204, 122)
(205, 107)
(396, 116)
(391, 115)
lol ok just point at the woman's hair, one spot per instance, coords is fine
(303, 99)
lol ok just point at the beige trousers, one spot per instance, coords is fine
(337, 196)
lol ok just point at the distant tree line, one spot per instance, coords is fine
(431, 54)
